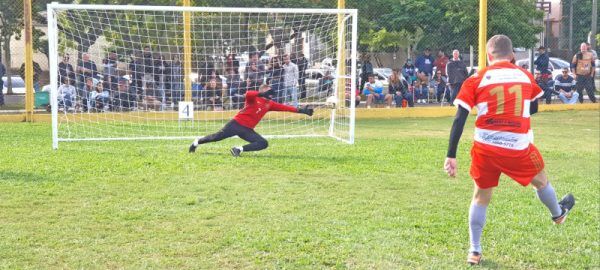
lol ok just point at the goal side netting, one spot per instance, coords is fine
(150, 72)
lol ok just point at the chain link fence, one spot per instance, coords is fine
(392, 35)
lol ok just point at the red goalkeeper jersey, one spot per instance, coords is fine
(255, 109)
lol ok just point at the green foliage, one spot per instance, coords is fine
(384, 203)
(582, 21)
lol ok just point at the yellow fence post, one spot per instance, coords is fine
(342, 57)
(29, 98)
(482, 34)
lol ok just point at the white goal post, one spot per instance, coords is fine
(124, 72)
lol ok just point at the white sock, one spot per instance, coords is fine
(195, 143)
(477, 216)
(241, 148)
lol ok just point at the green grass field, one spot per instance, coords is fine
(383, 203)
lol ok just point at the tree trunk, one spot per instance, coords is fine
(8, 61)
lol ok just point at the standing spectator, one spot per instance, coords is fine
(439, 83)
(374, 92)
(583, 65)
(302, 64)
(176, 79)
(564, 84)
(149, 67)
(66, 94)
(86, 69)
(2, 72)
(136, 73)
(424, 65)
(589, 48)
(290, 81)
(457, 74)
(542, 63)
(110, 70)
(399, 88)
(275, 79)
(234, 85)
(37, 71)
(440, 62)
(409, 71)
(65, 69)
(260, 66)
(545, 86)
(365, 70)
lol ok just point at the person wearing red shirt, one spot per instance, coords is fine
(257, 104)
(505, 96)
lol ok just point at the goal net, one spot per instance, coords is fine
(150, 72)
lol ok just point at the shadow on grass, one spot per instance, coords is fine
(489, 264)
(23, 177)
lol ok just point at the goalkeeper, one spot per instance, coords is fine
(256, 106)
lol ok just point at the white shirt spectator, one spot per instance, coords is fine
(66, 89)
(290, 75)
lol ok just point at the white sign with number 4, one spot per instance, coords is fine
(186, 110)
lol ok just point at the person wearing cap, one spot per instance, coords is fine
(545, 85)
(542, 63)
(424, 65)
(564, 85)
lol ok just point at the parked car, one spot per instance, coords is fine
(314, 77)
(18, 85)
(556, 65)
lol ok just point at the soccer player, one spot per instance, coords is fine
(505, 96)
(257, 104)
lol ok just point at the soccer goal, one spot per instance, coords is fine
(165, 72)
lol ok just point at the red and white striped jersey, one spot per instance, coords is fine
(502, 93)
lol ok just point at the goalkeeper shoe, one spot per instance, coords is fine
(566, 204)
(193, 147)
(236, 151)
(474, 258)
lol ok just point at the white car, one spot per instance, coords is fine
(18, 85)
(556, 65)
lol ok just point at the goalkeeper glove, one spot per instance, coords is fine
(306, 110)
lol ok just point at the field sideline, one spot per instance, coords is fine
(383, 203)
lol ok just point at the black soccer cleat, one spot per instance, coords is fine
(566, 204)
(235, 151)
(192, 148)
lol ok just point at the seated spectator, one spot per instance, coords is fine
(357, 98)
(399, 88)
(66, 94)
(123, 100)
(564, 84)
(152, 98)
(326, 83)
(545, 85)
(196, 90)
(439, 83)
(409, 72)
(422, 88)
(374, 92)
(102, 98)
(213, 95)
(84, 93)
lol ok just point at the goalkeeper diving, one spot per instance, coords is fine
(257, 104)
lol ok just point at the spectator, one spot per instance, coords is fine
(152, 98)
(302, 64)
(564, 85)
(409, 72)
(136, 73)
(65, 69)
(102, 98)
(123, 100)
(583, 66)
(348, 98)
(85, 92)
(176, 79)
(260, 66)
(275, 79)
(2, 72)
(589, 48)
(326, 83)
(542, 63)
(374, 91)
(236, 88)
(232, 64)
(255, 76)
(86, 69)
(399, 89)
(542, 83)
(37, 71)
(213, 95)
(197, 88)
(290, 81)
(66, 95)
(457, 74)
(440, 62)
(439, 83)
(111, 73)
(366, 70)
(424, 63)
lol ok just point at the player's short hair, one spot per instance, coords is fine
(500, 47)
